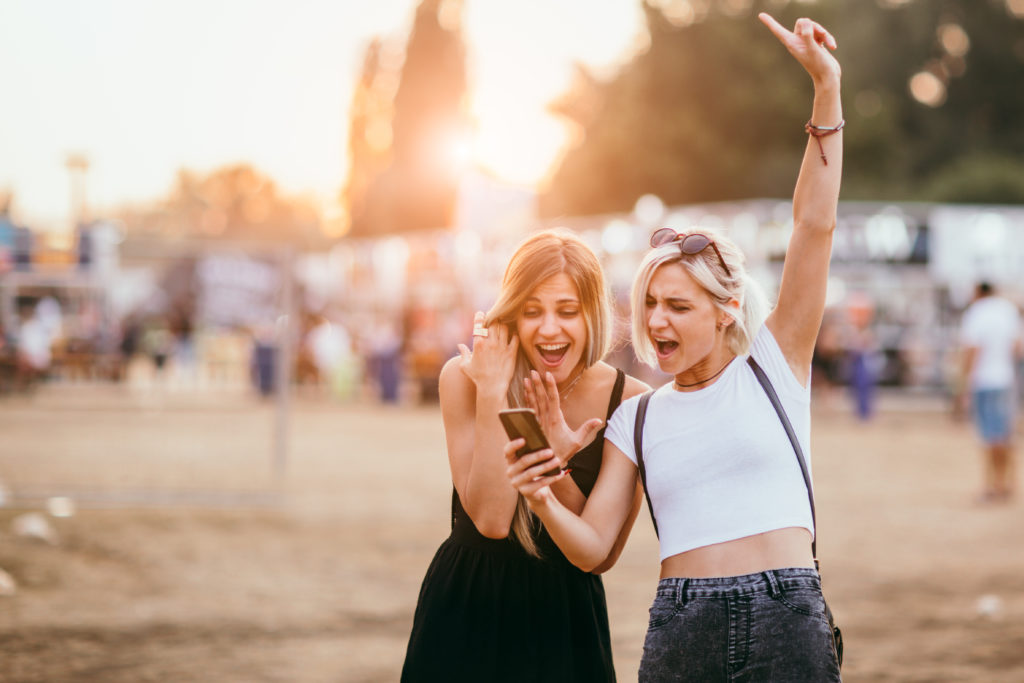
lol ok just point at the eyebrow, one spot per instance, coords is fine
(672, 299)
(557, 301)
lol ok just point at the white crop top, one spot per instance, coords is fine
(719, 463)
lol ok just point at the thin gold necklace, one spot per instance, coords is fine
(704, 381)
(562, 395)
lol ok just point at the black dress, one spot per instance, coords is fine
(488, 611)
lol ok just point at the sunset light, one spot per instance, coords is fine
(275, 95)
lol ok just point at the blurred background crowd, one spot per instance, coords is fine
(229, 283)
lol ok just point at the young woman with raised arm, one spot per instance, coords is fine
(739, 596)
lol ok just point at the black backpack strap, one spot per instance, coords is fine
(638, 447)
(777, 404)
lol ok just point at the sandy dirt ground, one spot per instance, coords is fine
(187, 560)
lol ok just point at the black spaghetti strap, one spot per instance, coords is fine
(616, 397)
(638, 448)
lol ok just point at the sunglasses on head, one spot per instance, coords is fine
(690, 244)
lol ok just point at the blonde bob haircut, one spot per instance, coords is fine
(540, 256)
(705, 268)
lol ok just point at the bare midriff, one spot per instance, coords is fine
(789, 547)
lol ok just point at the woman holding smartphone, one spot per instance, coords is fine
(500, 602)
(739, 596)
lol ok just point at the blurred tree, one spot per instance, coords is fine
(713, 109)
(429, 126)
(369, 131)
(232, 203)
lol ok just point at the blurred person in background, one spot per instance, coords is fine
(385, 348)
(990, 337)
(33, 348)
(740, 595)
(500, 602)
(864, 358)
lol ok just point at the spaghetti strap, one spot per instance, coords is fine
(616, 397)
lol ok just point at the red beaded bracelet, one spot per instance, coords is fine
(818, 132)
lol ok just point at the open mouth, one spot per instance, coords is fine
(665, 347)
(552, 354)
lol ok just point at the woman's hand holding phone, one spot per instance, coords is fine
(531, 474)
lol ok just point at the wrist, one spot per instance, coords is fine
(826, 85)
(540, 501)
(491, 397)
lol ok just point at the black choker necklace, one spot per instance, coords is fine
(704, 381)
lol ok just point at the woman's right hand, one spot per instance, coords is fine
(527, 474)
(493, 359)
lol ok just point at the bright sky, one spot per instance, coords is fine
(145, 88)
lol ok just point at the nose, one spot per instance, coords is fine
(549, 324)
(656, 317)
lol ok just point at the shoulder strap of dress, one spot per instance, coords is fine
(616, 398)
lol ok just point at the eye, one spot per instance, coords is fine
(531, 312)
(680, 308)
(569, 312)
(650, 302)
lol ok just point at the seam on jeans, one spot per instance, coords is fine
(739, 633)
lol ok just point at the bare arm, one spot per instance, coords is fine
(474, 387)
(632, 388)
(801, 305)
(475, 438)
(587, 541)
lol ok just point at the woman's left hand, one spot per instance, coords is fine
(810, 44)
(543, 397)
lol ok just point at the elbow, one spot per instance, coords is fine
(494, 531)
(493, 528)
(591, 563)
(825, 226)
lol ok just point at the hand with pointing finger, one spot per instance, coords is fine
(810, 44)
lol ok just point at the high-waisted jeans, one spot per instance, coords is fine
(769, 626)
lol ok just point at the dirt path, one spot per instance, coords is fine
(238, 580)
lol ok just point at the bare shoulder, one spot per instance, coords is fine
(456, 389)
(632, 387)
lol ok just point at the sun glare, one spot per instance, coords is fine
(519, 147)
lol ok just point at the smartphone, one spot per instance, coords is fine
(521, 423)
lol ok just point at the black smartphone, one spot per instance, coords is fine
(521, 423)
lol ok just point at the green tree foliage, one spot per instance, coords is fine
(417, 188)
(713, 109)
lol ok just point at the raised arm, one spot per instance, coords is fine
(473, 389)
(797, 317)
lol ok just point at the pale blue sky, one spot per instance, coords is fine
(144, 88)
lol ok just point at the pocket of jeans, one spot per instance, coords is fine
(804, 600)
(662, 611)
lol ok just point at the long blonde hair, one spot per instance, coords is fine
(706, 270)
(540, 256)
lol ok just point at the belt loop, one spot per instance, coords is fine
(774, 588)
(681, 592)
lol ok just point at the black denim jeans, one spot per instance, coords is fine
(769, 626)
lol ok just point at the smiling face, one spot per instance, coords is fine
(684, 325)
(552, 329)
